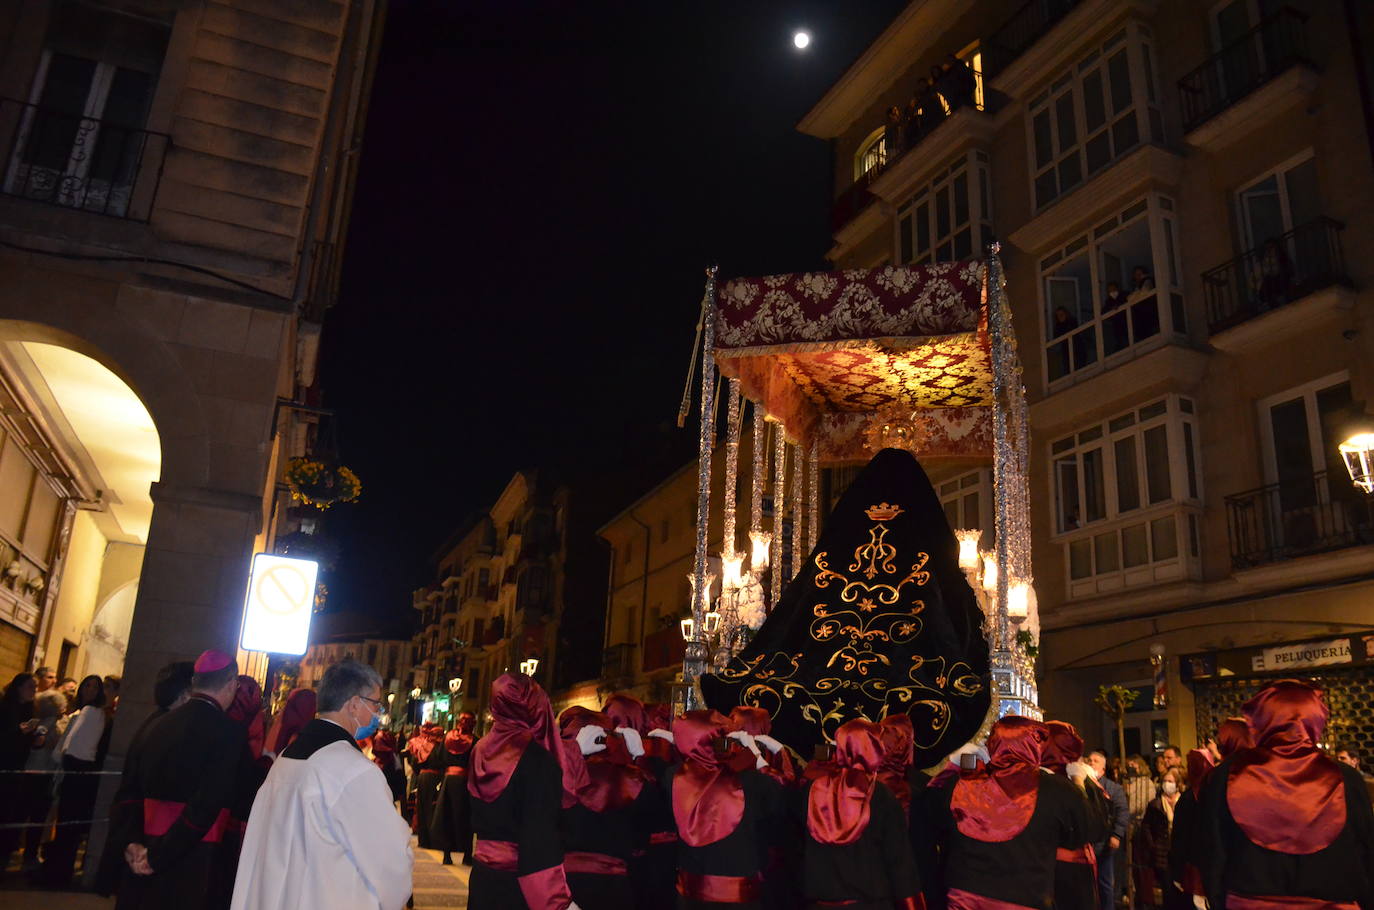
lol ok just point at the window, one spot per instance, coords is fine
(1118, 487)
(1300, 432)
(872, 155)
(967, 501)
(1111, 290)
(81, 139)
(1093, 114)
(950, 219)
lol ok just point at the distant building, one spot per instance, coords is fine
(1183, 196)
(337, 636)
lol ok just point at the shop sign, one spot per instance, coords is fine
(281, 599)
(1306, 654)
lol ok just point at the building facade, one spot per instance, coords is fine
(177, 181)
(497, 601)
(1182, 195)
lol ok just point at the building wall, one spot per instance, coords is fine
(1213, 602)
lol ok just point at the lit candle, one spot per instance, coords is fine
(968, 547)
(759, 542)
(989, 572)
(688, 627)
(1018, 601)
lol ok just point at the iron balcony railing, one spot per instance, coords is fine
(1245, 64)
(1031, 22)
(1297, 517)
(1279, 271)
(80, 162)
(617, 662)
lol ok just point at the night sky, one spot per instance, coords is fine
(541, 187)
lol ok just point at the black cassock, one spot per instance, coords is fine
(450, 827)
(428, 777)
(653, 873)
(1075, 880)
(594, 841)
(526, 814)
(176, 796)
(1231, 862)
(879, 620)
(875, 872)
(1021, 870)
(741, 854)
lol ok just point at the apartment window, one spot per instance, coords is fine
(1093, 114)
(967, 501)
(871, 156)
(80, 142)
(1126, 497)
(1300, 430)
(1110, 291)
(950, 218)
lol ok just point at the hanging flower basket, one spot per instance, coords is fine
(321, 485)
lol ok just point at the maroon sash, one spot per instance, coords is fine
(501, 855)
(159, 815)
(1250, 902)
(967, 900)
(455, 771)
(583, 863)
(719, 889)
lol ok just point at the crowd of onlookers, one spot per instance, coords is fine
(53, 734)
(950, 86)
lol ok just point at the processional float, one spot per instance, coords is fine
(888, 612)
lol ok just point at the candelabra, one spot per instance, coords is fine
(1012, 630)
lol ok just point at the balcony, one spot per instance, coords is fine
(1266, 52)
(1026, 26)
(1279, 272)
(663, 648)
(1297, 518)
(853, 201)
(77, 162)
(618, 664)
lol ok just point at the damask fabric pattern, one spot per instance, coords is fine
(880, 620)
(949, 373)
(822, 307)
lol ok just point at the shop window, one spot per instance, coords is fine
(1110, 292)
(1094, 113)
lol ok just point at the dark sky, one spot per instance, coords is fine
(541, 187)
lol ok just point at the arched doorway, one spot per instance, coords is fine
(79, 453)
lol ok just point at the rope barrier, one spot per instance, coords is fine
(56, 771)
(9, 826)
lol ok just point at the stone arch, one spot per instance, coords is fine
(106, 333)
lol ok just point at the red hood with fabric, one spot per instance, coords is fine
(612, 780)
(1232, 736)
(708, 801)
(520, 714)
(627, 711)
(298, 711)
(1200, 765)
(995, 802)
(756, 722)
(839, 803)
(246, 709)
(899, 739)
(1284, 792)
(1063, 748)
(459, 740)
(425, 741)
(659, 716)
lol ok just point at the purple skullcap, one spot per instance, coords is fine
(212, 660)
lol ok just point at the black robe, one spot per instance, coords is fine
(621, 833)
(874, 872)
(1020, 870)
(741, 853)
(428, 777)
(1232, 863)
(526, 814)
(450, 826)
(1075, 883)
(653, 873)
(190, 756)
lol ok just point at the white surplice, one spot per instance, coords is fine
(325, 834)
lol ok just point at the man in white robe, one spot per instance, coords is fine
(323, 831)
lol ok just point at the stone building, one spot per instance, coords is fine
(506, 586)
(1183, 196)
(175, 190)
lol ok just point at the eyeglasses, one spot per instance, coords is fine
(376, 703)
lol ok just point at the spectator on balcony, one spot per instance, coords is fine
(1063, 324)
(930, 107)
(911, 123)
(957, 82)
(1273, 278)
(937, 78)
(1113, 298)
(892, 133)
(1142, 284)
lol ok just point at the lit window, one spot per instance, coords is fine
(871, 157)
(1108, 292)
(967, 501)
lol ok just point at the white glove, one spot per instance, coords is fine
(744, 739)
(587, 739)
(773, 745)
(1077, 769)
(633, 742)
(663, 734)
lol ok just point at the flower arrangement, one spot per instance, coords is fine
(321, 485)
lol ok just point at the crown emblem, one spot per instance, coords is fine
(883, 512)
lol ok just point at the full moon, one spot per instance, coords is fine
(801, 39)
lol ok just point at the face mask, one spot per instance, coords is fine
(1170, 788)
(371, 727)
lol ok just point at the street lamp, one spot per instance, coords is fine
(455, 684)
(529, 665)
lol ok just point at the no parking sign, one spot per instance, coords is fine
(281, 600)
